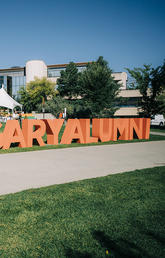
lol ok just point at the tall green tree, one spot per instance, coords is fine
(151, 83)
(99, 90)
(68, 83)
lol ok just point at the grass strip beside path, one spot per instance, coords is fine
(119, 215)
(158, 129)
(72, 145)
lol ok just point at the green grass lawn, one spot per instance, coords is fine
(159, 129)
(121, 214)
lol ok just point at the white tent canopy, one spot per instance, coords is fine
(7, 101)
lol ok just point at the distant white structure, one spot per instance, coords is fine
(7, 101)
(35, 68)
(121, 78)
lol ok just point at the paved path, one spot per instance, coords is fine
(157, 133)
(19, 171)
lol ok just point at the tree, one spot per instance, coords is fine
(57, 105)
(99, 90)
(161, 100)
(25, 100)
(35, 92)
(150, 81)
(39, 89)
(68, 85)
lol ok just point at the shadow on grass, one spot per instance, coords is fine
(116, 249)
(120, 248)
(76, 254)
(157, 237)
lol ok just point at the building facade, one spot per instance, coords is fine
(16, 77)
(13, 78)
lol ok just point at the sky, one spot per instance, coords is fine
(127, 33)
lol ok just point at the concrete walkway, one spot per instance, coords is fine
(19, 171)
(157, 133)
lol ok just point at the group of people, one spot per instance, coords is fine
(62, 115)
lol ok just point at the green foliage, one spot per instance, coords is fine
(68, 83)
(122, 214)
(26, 100)
(95, 88)
(39, 89)
(151, 83)
(99, 90)
(161, 101)
(35, 92)
(2, 127)
(56, 105)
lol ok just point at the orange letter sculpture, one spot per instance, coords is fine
(13, 134)
(103, 129)
(30, 133)
(85, 127)
(72, 131)
(53, 127)
(146, 128)
(121, 125)
(135, 125)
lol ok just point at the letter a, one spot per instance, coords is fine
(13, 134)
(72, 131)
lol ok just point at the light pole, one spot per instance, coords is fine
(43, 107)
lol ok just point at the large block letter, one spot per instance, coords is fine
(121, 125)
(103, 129)
(13, 134)
(136, 124)
(146, 128)
(33, 129)
(72, 131)
(85, 127)
(53, 127)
